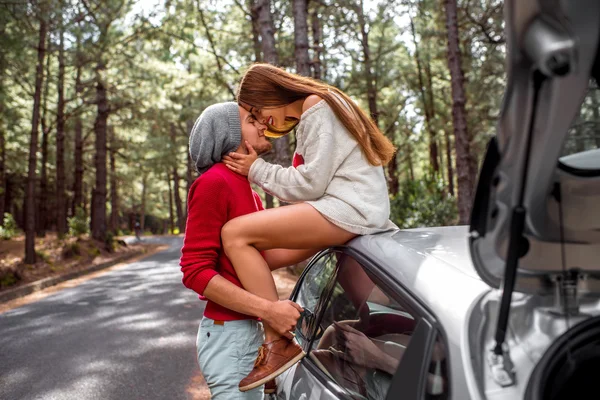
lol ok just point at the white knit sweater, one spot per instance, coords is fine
(336, 178)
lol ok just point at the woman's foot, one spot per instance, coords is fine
(274, 358)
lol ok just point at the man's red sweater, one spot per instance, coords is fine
(216, 197)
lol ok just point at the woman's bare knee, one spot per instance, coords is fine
(232, 237)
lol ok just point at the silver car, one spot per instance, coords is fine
(508, 307)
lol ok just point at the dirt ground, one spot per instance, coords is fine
(56, 257)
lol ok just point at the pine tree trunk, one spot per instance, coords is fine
(100, 125)
(258, 46)
(61, 217)
(449, 163)
(2, 168)
(178, 205)
(114, 194)
(267, 32)
(300, 11)
(29, 205)
(2, 136)
(409, 160)
(41, 218)
(189, 171)
(371, 87)
(394, 184)
(171, 219)
(317, 46)
(143, 206)
(255, 31)
(433, 150)
(78, 185)
(263, 8)
(464, 163)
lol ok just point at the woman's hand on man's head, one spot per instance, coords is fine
(241, 163)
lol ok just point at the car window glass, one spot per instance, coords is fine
(310, 291)
(365, 334)
(580, 149)
(437, 375)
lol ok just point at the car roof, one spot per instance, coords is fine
(448, 245)
(433, 264)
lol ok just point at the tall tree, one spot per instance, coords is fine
(317, 38)
(449, 167)
(267, 31)
(41, 218)
(177, 197)
(78, 183)
(368, 62)
(103, 14)
(461, 136)
(281, 146)
(29, 206)
(114, 194)
(178, 204)
(427, 105)
(255, 30)
(61, 223)
(98, 207)
(300, 10)
(171, 218)
(2, 126)
(143, 201)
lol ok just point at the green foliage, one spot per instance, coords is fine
(79, 224)
(9, 228)
(71, 250)
(43, 256)
(423, 203)
(94, 252)
(8, 278)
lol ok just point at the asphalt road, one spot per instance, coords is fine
(128, 334)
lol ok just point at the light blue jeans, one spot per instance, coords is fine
(226, 355)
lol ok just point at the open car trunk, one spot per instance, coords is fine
(535, 225)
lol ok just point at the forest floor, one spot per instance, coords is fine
(57, 257)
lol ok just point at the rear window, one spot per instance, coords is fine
(581, 150)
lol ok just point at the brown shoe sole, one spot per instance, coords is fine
(270, 391)
(275, 373)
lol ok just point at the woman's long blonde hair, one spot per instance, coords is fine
(264, 85)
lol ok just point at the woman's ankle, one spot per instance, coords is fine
(271, 334)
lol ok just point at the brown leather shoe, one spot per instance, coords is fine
(273, 359)
(270, 387)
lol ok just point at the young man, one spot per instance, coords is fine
(229, 334)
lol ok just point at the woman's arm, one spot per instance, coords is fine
(306, 182)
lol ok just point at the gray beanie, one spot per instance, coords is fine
(217, 131)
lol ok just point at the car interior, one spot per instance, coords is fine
(363, 334)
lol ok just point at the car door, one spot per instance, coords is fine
(359, 333)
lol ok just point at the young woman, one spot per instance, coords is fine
(337, 182)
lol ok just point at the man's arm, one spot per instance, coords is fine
(207, 213)
(280, 315)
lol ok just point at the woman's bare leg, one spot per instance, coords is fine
(298, 226)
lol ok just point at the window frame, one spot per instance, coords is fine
(426, 322)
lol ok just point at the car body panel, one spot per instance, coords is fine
(434, 265)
